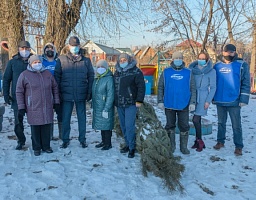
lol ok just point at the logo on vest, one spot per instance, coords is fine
(177, 76)
(225, 70)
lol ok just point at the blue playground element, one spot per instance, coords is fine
(148, 83)
(206, 127)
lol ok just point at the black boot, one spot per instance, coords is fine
(107, 141)
(19, 146)
(131, 153)
(102, 140)
(125, 149)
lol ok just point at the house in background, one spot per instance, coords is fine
(125, 50)
(145, 56)
(97, 51)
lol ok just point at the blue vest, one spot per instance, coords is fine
(228, 81)
(177, 88)
(49, 65)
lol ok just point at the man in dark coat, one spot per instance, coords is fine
(74, 74)
(14, 68)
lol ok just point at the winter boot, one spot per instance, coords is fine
(102, 140)
(184, 142)
(107, 142)
(60, 130)
(171, 134)
(200, 145)
(195, 144)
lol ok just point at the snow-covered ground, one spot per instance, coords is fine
(76, 173)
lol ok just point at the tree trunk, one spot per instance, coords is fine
(11, 20)
(61, 20)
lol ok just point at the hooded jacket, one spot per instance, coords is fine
(36, 92)
(50, 65)
(205, 79)
(129, 85)
(103, 100)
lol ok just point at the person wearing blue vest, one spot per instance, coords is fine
(205, 78)
(177, 95)
(49, 63)
(233, 92)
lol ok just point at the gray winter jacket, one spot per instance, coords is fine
(103, 100)
(205, 79)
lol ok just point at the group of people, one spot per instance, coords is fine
(182, 90)
(37, 85)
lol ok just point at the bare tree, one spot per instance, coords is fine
(186, 22)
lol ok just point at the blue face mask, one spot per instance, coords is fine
(177, 62)
(123, 65)
(74, 49)
(201, 62)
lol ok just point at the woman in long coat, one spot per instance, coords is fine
(36, 93)
(205, 78)
(103, 104)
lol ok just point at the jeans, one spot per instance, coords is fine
(183, 119)
(127, 117)
(235, 116)
(67, 108)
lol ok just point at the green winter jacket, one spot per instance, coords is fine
(103, 100)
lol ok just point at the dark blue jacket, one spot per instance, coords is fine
(74, 76)
(14, 68)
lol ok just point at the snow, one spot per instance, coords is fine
(76, 173)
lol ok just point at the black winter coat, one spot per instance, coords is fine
(129, 85)
(14, 68)
(74, 76)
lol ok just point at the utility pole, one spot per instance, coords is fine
(253, 60)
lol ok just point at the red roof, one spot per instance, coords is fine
(187, 43)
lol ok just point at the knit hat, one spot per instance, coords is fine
(177, 55)
(124, 55)
(74, 41)
(24, 44)
(102, 63)
(229, 47)
(34, 58)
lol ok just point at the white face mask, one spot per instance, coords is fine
(101, 70)
(24, 53)
(37, 66)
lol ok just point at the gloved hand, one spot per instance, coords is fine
(89, 97)
(7, 99)
(242, 104)
(191, 107)
(21, 114)
(56, 107)
(105, 114)
(160, 105)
